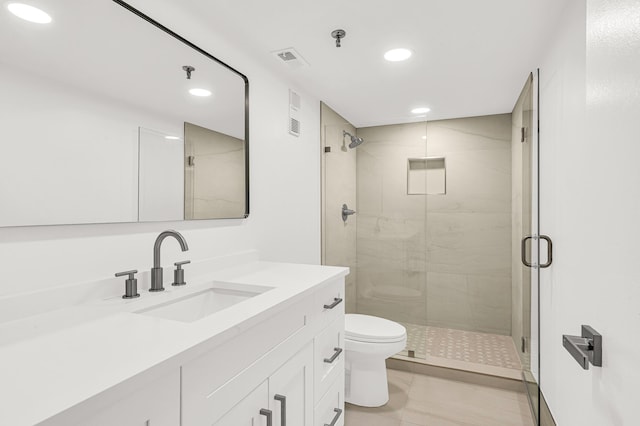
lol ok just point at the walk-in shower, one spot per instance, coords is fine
(431, 245)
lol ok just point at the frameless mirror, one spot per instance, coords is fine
(93, 114)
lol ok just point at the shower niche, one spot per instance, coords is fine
(426, 176)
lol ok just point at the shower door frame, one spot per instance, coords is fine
(532, 387)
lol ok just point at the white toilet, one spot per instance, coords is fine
(369, 341)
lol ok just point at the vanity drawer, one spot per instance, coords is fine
(331, 406)
(328, 360)
(329, 304)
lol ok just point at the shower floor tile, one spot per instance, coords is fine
(459, 345)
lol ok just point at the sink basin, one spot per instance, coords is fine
(201, 304)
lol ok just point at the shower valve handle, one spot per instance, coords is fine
(346, 212)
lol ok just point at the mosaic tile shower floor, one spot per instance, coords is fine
(468, 346)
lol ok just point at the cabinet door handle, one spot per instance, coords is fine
(523, 251)
(283, 408)
(335, 418)
(268, 414)
(335, 355)
(336, 302)
(549, 251)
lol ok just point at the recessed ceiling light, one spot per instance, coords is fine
(29, 13)
(172, 138)
(397, 55)
(424, 138)
(200, 92)
(421, 110)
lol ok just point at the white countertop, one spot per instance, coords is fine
(51, 362)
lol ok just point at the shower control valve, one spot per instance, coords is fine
(346, 212)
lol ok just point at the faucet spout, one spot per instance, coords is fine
(156, 271)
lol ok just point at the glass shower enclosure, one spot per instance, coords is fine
(441, 209)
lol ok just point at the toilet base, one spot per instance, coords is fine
(366, 381)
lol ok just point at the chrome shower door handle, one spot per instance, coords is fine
(523, 251)
(549, 251)
(268, 414)
(283, 408)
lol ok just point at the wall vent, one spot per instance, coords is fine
(290, 57)
(294, 109)
(294, 126)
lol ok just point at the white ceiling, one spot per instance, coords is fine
(471, 57)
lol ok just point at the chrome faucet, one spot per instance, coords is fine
(156, 271)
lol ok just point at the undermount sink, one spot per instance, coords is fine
(201, 304)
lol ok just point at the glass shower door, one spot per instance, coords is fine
(391, 234)
(383, 241)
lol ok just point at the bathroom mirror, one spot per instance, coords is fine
(93, 111)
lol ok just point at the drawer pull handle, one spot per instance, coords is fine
(337, 353)
(268, 414)
(283, 408)
(336, 417)
(336, 302)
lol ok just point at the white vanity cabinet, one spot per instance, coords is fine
(290, 364)
(276, 360)
(286, 397)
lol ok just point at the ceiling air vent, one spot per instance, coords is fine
(290, 58)
(294, 109)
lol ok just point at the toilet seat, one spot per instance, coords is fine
(368, 329)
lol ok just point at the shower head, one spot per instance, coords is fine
(354, 140)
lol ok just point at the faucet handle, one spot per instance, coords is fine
(178, 273)
(130, 273)
(131, 284)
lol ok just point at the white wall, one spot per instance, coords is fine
(590, 204)
(285, 193)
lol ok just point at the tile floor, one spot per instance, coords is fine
(459, 345)
(419, 400)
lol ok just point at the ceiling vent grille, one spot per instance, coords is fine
(290, 58)
(294, 110)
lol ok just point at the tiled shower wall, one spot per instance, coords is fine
(454, 268)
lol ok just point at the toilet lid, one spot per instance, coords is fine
(365, 328)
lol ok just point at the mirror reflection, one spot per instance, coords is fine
(93, 112)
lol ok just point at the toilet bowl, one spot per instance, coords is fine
(368, 342)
